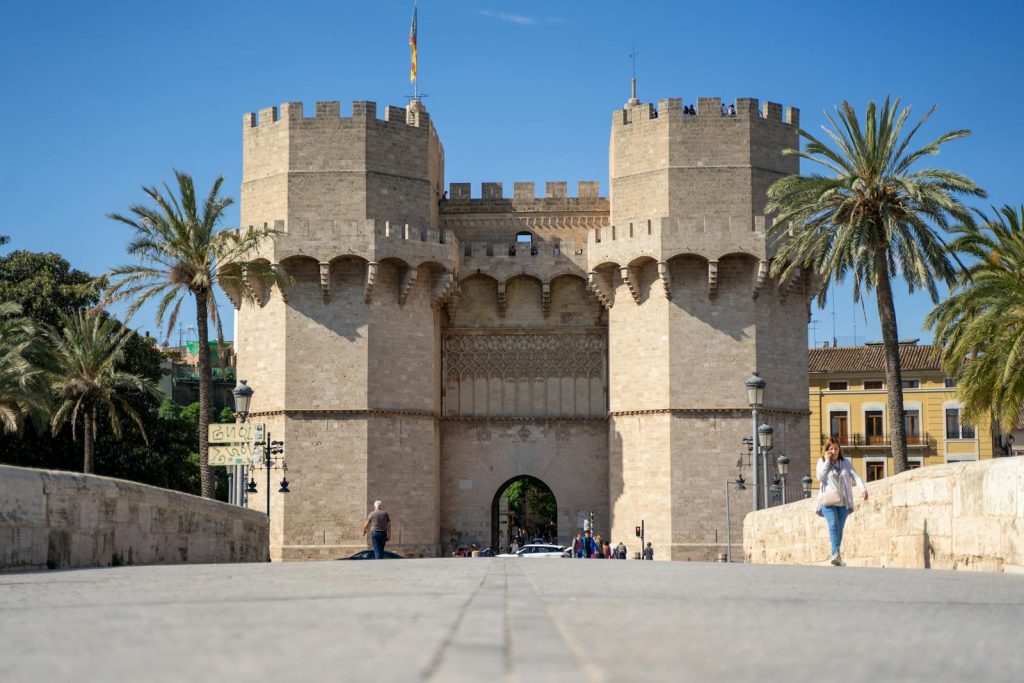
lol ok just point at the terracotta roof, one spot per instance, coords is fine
(871, 358)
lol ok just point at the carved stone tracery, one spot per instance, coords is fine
(524, 355)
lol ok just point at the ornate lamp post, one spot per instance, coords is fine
(740, 485)
(782, 463)
(764, 443)
(755, 398)
(242, 394)
(272, 452)
(806, 484)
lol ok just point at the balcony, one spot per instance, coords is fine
(857, 440)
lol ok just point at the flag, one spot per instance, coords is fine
(412, 47)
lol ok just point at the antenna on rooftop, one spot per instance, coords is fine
(633, 101)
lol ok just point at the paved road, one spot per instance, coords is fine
(509, 620)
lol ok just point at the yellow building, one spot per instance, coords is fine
(848, 400)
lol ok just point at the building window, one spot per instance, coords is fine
(876, 470)
(874, 384)
(950, 383)
(839, 426)
(874, 432)
(838, 386)
(955, 429)
(911, 384)
(912, 426)
(913, 463)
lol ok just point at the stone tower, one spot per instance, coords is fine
(345, 363)
(430, 350)
(682, 268)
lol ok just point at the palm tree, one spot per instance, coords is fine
(870, 216)
(181, 253)
(86, 379)
(24, 392)
(980, 327)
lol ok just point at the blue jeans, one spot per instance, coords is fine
(378, 538)
(836, 518)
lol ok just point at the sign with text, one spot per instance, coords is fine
(233, 454)
(237, 433)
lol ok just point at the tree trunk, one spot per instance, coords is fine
(205, 395)
(88, 437)
(893, 371)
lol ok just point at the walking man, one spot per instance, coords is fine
(378, 523)
(648, 552)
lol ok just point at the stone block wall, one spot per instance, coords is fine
(64, 520)
(967, 516)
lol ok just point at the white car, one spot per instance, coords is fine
(538, 550)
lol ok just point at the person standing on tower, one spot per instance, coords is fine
(378, 523)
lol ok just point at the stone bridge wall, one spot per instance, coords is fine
(65, 520)
(957, 516)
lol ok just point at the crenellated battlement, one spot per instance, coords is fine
(329, 113)
(708, 109)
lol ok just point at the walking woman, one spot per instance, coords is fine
(835, 497)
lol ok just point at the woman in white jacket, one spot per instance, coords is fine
(835, 495)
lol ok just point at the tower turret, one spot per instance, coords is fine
(683, 271)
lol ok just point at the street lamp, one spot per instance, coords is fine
(242, 393)
(764, 442)
(271, 452)
(782, 465)
(740, 486)
(243, 397)
(755, 398)
(273, 459)
(806, 484)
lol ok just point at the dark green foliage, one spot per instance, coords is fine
(45, 285)
(524, 493)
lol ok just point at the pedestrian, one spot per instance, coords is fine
(577, 546)
(378, 523)
(607, 550)
(835, 496)
(620, 550)
(648, 552)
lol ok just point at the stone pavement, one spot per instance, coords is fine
(511, 620)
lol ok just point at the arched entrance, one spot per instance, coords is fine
(523, 502)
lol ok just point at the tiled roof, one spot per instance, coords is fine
(871, 358)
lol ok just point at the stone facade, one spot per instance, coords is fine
(967, 516)
(431, 348)
(64, 520)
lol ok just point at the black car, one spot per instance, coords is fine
(368, 555)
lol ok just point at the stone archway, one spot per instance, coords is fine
(531, 504)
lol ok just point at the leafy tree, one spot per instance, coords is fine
(23, 388)
(870, 216)
(182, 254)
(980, 327)
(87, 380)
(44, 285)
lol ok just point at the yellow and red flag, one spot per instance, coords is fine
(412, 46)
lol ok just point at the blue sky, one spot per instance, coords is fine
(103, 97)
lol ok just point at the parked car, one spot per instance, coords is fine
(538, 550)
(368, 555)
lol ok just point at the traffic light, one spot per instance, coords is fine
(638, 532)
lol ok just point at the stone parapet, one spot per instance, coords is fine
(967, 516)
(65, 520)
(369, 239)
(710, 237)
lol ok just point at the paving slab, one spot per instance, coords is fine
(509, 620)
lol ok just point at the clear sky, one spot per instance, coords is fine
(103, 97)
